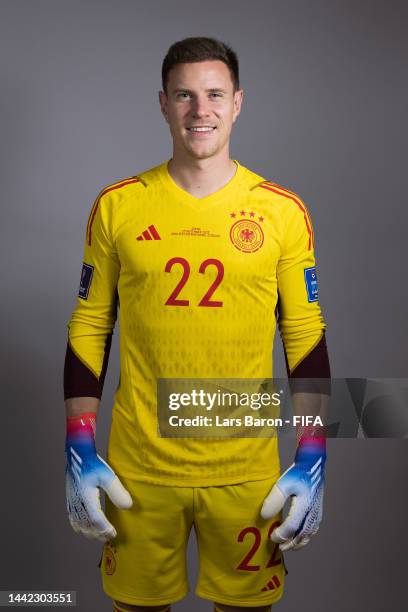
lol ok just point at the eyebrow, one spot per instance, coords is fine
(186, 90)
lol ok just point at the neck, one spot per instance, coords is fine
(201, 177)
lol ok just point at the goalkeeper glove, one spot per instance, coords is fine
(85, 472)
(304, 481)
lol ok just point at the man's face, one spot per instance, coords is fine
(200, 108)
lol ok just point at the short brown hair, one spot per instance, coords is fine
(200, 49)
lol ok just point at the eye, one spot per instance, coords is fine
(216, 94)
(183, 95)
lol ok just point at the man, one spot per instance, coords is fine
(196, 251)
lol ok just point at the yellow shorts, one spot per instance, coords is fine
(239, 565)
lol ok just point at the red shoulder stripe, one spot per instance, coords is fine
(96, 204)
(285, 191)
(291, 196)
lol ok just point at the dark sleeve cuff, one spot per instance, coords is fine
(79, 381)
(314, 370)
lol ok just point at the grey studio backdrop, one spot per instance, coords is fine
(325, 116)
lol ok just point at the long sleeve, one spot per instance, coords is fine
(91, 325)
(300, 320)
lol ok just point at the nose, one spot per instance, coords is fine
(199, 107)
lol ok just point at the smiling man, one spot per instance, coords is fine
(197, 252)
(200, 104)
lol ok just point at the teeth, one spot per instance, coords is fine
(200, 129)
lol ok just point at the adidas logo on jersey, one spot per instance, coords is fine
(274, 583)
(150, 233)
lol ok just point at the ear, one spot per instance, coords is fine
(163, 104)
(238, 98)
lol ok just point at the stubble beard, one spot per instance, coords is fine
(210, 151)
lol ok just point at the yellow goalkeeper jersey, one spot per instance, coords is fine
(198, 281)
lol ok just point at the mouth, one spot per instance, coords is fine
(201, 129)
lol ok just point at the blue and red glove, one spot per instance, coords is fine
(304, 482)
(85, 472)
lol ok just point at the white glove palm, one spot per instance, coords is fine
(304, 482)
(86, 473)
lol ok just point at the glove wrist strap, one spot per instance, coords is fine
(84, 424)
(311, 442)
(81, 431)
